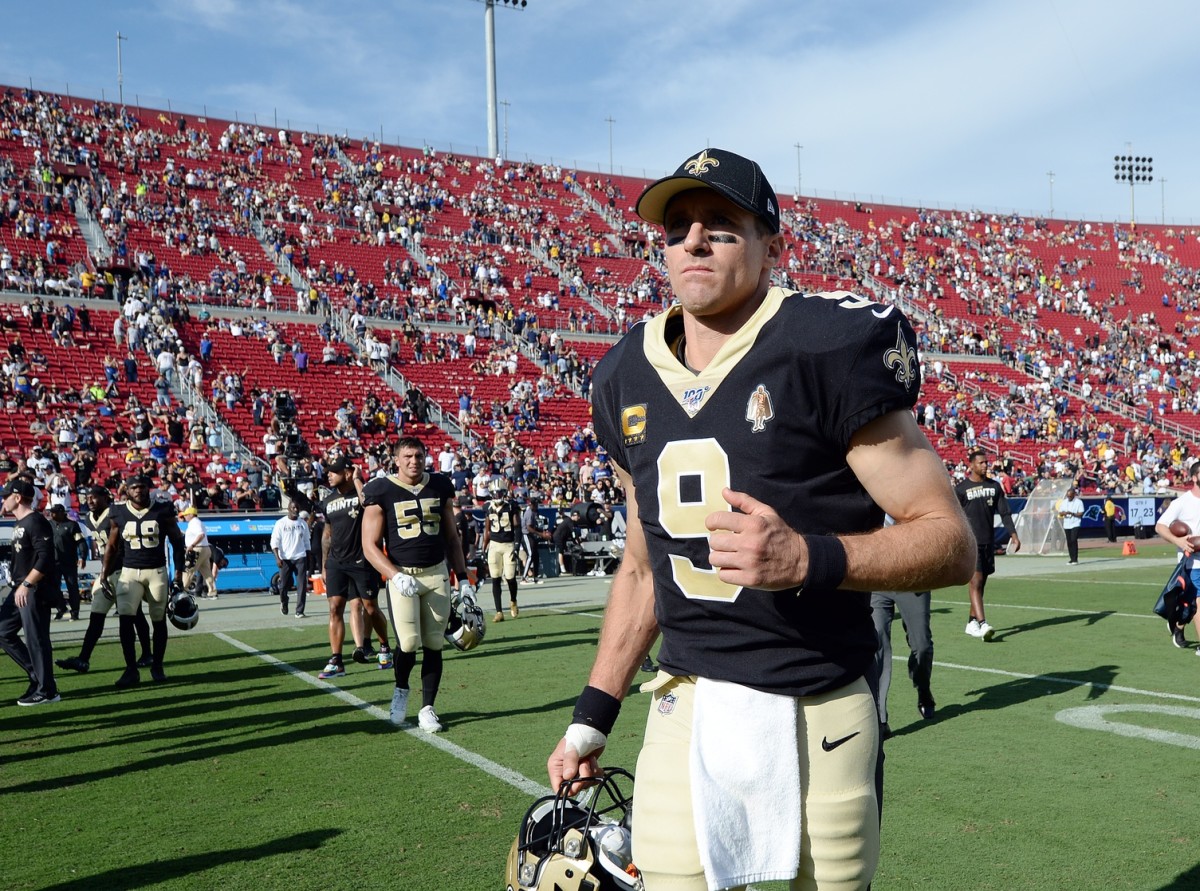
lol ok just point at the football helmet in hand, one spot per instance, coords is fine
(182, 610)
(580, 843)
(465, 629)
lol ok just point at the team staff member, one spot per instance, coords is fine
(760, 435)
(96, 518)
(1110, 518)
(70, 552)
(35, 594)
(982, 498)
(1070, 511)
(195, 540)
(501, 521)
(137, 541)
(291, 539)
(531, 535)
(345, 571)
(408, 536)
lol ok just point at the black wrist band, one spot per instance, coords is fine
(826, 563)
(596, 709)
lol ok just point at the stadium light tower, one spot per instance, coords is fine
(1133, 169)
(1050, 173)
(120, 72)
(799, 172)
(489, 42)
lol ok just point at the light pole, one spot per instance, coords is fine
(1050, 173)
(506, 104)
(799, 172)
(120, 71)
(611, 120)
(1162, 184)
(1132, 169)
(489, 46)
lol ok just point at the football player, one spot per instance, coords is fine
(345, 570)
(408, 535)
(982, 498)
(96, 518)
(137, 552)
(501, 523)
(760, 435)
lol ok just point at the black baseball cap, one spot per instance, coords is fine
(730, 175)
(21, 487)
(340, 464)
(139, 479)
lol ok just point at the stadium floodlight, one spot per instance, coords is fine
(1135, 170)
(489, 47)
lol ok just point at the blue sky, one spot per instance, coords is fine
(950, 104)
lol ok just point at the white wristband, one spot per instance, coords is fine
(585, 739)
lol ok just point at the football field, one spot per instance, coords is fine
(1063, 753)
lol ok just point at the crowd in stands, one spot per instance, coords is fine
(493, 259)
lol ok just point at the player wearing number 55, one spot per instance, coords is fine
(760, 435)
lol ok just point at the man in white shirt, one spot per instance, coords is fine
(1185, 509)
(1070, 511)
(446, 459)
(195, 539)
(290, 541)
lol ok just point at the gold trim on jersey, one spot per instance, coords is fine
(416, 487)
(693, 390)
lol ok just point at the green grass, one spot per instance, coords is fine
(237, 774)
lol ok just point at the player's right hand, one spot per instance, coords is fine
(567, 761)
(404, 584)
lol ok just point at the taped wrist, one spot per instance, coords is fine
(826, 562)
(596, 709)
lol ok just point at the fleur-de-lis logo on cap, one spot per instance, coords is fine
(699, 164)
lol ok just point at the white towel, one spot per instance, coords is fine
(745, 775)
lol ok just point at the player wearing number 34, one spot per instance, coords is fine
(760, 435)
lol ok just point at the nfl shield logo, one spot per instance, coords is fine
(666, 705)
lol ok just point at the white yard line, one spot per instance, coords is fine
(499, 771)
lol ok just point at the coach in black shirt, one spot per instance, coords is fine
(34, 595)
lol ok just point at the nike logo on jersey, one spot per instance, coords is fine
(830, 746)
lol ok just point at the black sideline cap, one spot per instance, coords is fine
(736, 178)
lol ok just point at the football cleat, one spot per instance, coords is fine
(130, 678)
(145, 662)
(399, 709)
(332, 669)
(513, 610)
(986, 631)
(926, 706)
(385, 659)
(1177, 638)
(973, 628)
(577, 843)
(359, 655)
(427, 720)
(499, 617)
(74, 663)
(157, 674)
(36, 698)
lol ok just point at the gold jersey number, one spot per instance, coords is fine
(138, 534)
(418, 516)
(691, 475)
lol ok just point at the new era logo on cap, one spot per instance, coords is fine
(736, 178)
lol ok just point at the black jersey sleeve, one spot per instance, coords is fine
(607, 418)
(876, 372)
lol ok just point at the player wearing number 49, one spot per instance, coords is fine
(408, 534)
(760, 435)
(138, 540)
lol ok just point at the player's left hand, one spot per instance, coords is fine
(466, 591)
(752, 546)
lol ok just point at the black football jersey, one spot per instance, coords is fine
(981, 502)
(344, 513)
(412, 517)
(503, 521)
(33, 548)
(144, 533)
(772, 416)
(100, 525)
